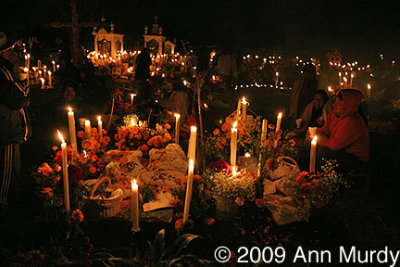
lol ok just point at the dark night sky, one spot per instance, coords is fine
(280, 24)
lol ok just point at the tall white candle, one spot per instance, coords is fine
(244, 108)
(278, 122)
(42, 82)
(313, 154)
(345, 81)
(26, 70)
(276, 78)
(50, 81)
(192, 143)
(88, 129)
(189, 188)
(340, 79)
(264, 129)
(135, 206)
(132, 97)
(177, 127)
(72, 131)
(233, 144)
(239, 106)
(100, 125)
(351, 79)
(65, 171)
(54, 65)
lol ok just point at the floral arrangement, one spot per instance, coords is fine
(122, 104)
(139, 136)
(236, 187)
(319, 188)
(218, 143)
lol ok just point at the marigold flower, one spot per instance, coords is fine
(167, 126)
(178, 224)
(86, 144)
(209, 221)
(77, 216)
(143, 148)
(92, 170)
(48, 191)
(216, 131)
(54, 148)
(239, 201)
(81, 134)
(222, 140)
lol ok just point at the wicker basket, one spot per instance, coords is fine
(103, 207)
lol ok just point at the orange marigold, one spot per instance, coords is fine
(81, 134)
(77, 216)
(167, 126)
(216, 131)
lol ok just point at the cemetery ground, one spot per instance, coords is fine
(364, 217)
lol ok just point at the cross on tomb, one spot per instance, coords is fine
(75, 25)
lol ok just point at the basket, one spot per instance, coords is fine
(102, 208)
(287, 167)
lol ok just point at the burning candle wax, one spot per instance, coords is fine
(88, 129)
(177, 127)
(189, 187)
(65, 171)
(135, 206)
(313, 153)
(72, 130)
(233, 144)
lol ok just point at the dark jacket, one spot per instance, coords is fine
(14, 119)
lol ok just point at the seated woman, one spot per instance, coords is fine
(314, 115)
(344, 136)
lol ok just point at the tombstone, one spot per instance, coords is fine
(154, 40)
(109, 43)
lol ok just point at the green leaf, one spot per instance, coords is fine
(179, 244)
(158, 247)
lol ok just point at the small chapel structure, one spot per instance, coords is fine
(109, 43)
(154, 40)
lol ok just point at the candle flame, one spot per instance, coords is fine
(177, 115)
(314, 141)
(234, 125)
(99, 118)
(49, 72)
(277, 73)
(87, 122)
(369, 86)
(69, 109)
(330, 89)
(26, 69)
(280, 115)
(60, 136)
(133, 183)
(234, 170)
(193, 128)
(84, 153)
(247, 155)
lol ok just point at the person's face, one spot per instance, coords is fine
(338, 106)
(69, 94)
(318, 101)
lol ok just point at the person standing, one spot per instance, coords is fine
(143, 63)
(14, 119)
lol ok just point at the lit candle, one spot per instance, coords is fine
(50, 81)
(369, 90)
(132, 97)
(72, 131)
(27, 75)
(276, 78)
(233, 144)
(42, 81)
(278, 122)
(54, 65)
(135, 206)
(192, 143)
(351, 79)
(88, 129)
(345, 82)
(189, 187)
(239, 106)
(330, 90)
(313, 154)
(244, 108)
(340, 78)
(65, 171)
(100, 125)
(177, 127)
(27, 60)
(234, 172)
